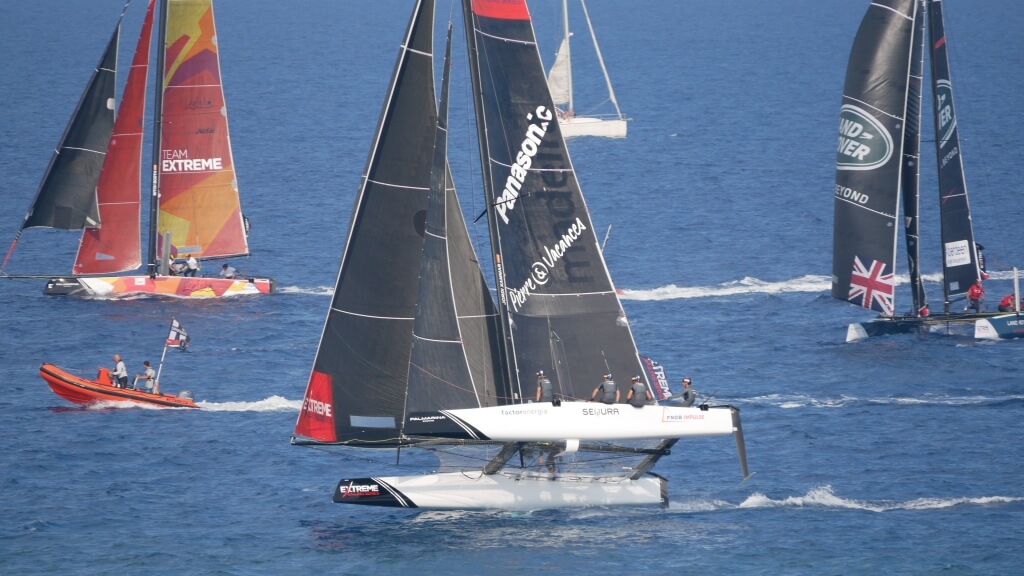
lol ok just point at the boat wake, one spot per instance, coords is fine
(271, 404)
(315, 291)
(823, 497)
(842, 401)
(748, 285)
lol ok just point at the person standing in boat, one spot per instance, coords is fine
(191, 266)
(119, 373)
(689, 395)
(148, 375)
(228, 272)
(545, 391)
(609, 392)
(975, 296)
(639, 394)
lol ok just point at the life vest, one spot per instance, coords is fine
(608, 392)
(639, 397)
(545, 390)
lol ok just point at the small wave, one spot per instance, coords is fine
(315, 291)
(271, 404)
(823, 497)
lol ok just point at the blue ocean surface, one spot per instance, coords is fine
(897, 455)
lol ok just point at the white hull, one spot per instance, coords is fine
(474, 490)
(590, 126)
(1010, 325)
(585, 421)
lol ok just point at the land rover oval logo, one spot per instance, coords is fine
(864, 144)
(944, 107)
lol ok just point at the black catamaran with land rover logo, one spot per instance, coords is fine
(877, 172)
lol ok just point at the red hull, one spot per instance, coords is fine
(79, 390)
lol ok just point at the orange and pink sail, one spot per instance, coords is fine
(199, 202)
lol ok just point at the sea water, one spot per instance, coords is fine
(894, 455)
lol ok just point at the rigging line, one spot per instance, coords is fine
(879, 110)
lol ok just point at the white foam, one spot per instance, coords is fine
(271, 404)
(823, 497)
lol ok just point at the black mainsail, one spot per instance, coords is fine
(869, 155)
(960, 266)
(559, 309)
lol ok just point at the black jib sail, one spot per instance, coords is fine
(357, 388)
(66, 198)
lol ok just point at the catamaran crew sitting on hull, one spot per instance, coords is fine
(609, 393)
(639, 394)
(1006, 304)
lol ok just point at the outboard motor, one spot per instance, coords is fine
(186, 395)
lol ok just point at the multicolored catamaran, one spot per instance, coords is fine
(877, 171)
(93, 180)
(417, 356)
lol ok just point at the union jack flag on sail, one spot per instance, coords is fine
(871, 286)
(178, 337)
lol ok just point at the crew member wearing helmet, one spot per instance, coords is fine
(545, 392)
(609, 392)
(639, 394)
(688, 394)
